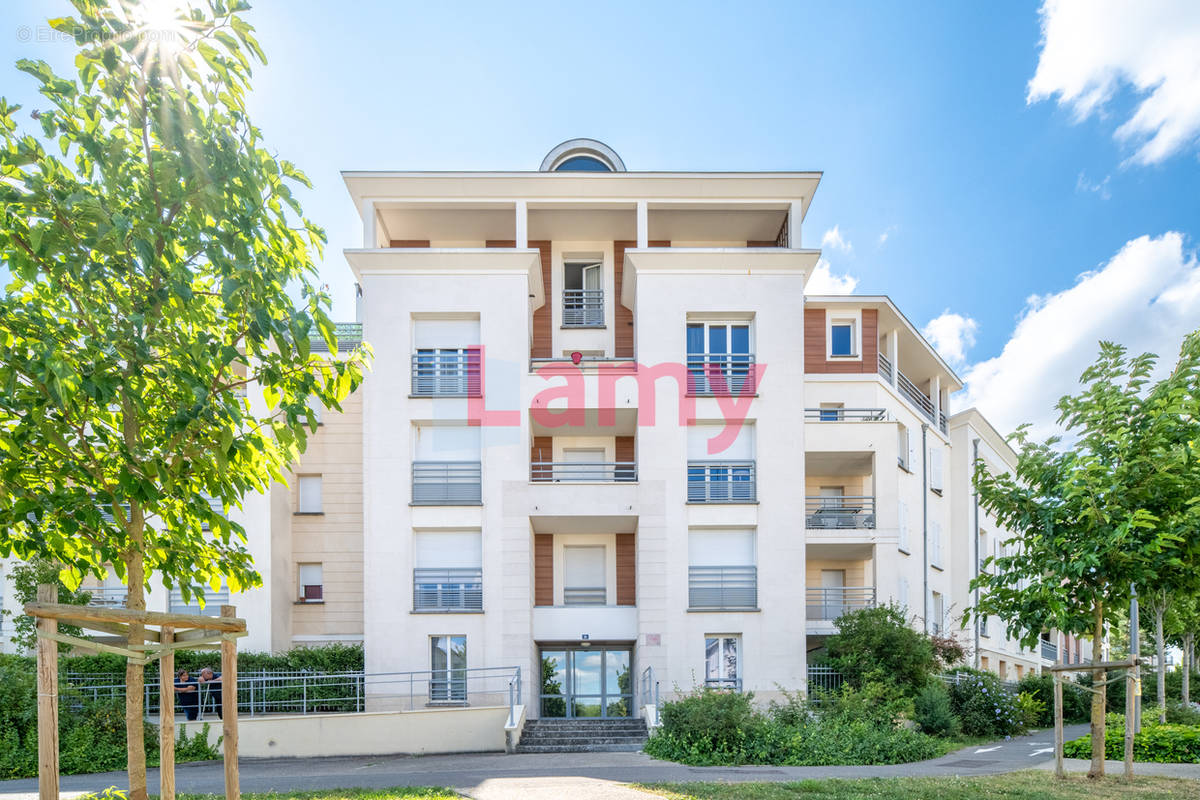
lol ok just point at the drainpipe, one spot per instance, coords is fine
(925, 525)
(975, 495)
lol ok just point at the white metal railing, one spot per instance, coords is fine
(885, 367)
(1049, 650)
(444, 372)
(722, 587)
(845, 511)
(108, 596)
(447, 483)
(721, 374)
(585, 595)
(910, 391)
(212, 603)
(649, 692)
(721, 482)
(447, 589)
(347, 334)
(582, 471)
(831, 603)
(845, 414)
(583, 307)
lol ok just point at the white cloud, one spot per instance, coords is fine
(887, 234)
(1093, 48)
(823, 281)
(1082, 184)
(952, 335)
(833, 240)
(1146, 298)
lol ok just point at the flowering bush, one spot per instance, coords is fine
(983, 706)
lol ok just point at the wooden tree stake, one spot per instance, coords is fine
(166, 715)
(47, 689)
(1129, 714)
(1058, 725)
(229, 707)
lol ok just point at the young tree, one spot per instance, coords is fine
(161, 266)
(1089, 523)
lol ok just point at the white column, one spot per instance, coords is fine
(893, 345)
(522, 224)
(795, 214)
(935, 395)
(643, 224)
(370, 237)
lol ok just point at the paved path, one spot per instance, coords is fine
(495, 776)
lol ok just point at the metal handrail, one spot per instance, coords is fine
(846, 414)
(447, 483)
(448, 589)
(650, 691)
(1049, 650)
(585, 595)
(885, 367)
(823, 679)
(212, 603)
(446, 372)
(721, 482)
(583, 471)
(721, 374)
(583, 307)
(722, 587)
(107, 596)
(846, 511)
(830, 603)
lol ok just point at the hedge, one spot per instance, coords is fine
(1167, 744)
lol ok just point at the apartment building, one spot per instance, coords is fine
(596, 397)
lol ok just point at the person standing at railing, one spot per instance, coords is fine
(211, 681)
(188, 694)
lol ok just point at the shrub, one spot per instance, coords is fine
(710, 723)
(831, 742)
(1180, 714)
(931, 711)
(1076, 699)
(1167, 744)
(984, 708)
(1031, 709)
(876, 702)
(875, 643)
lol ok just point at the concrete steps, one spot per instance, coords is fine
(582, 735)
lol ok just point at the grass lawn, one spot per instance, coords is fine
(1030, 785)
(399, 793)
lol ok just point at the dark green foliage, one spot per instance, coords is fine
(1168, 744)
(1179, 714)
(932, 712)
(1076, 700)
(876, 644)
(711, 719)
(25, 577)
(982, 706)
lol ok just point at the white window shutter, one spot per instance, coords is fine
(935, 468)
(902, 508)
(903, 598)
(935, 528)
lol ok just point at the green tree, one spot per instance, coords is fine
(1089, 517)
(877, 644)
(25, 577)
(162, 277)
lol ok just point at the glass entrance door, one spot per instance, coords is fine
(587, 682)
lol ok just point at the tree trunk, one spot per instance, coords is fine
(135, 743)
(1160, 646)
(1189, 663)
(1098, 695)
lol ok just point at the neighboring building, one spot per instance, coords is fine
(605, 431)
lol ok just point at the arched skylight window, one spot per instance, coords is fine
(582, 164)
(582, 155)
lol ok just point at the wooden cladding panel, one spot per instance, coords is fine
(815, 348)
(543, 569)
(542, 450)
(625, 449)
(626, 568)
(542, 345)
(409, 243)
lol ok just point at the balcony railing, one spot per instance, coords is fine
(730, 684)
(1049, 650)
(885, 367)
(447, 483)
(447, 589)
(583, 471)
(583, 308)
(721, 373)
(721, 482)
(826, 604)
(911, 393)
(723, 587)
(845, 414)
(347, 334)
(212, 603)
(848, 512)
(108, 596)
(585, 595)
(446, 373)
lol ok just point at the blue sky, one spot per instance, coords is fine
(916, 113)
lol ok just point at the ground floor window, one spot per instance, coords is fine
(722, 661)
(448, 669)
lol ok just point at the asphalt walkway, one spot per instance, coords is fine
(495, 776)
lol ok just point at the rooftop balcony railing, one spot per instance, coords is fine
(447, 483)
(583, 308)
(845, 414)
(348, 334)
(108, 596)
(721, 373)
(447, 589)
(831, 603)
(911, 393)
(846, 512)
(1049, 650)
(447, 373)
(721, 482)
(212, 603)
(583, 471)
(723, 587)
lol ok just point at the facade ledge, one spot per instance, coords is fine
(730, 610)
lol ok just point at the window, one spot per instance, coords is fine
(721, 661)
(902, 593)
(585, 576)
(902, 454)
(448, 669)
(448, 571)
(446, 465)
(723, 477)
(719, 357)
(983, 626)
(311, 584)
(446, 360)
(841, 339)
(309, 501)
(831, 412)
(984, 663)
(935, 469)
(583, 164)
(902, 509)
(212, 602)
(935, 543)
(721, 569)
(937, 613)
(583, 294)
(316, 407)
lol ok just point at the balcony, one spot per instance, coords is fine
(845, 415)
(721, 482)
(583, 471)
(839, 513)
(721, 374)
(829, 604)
(446, 373)
(723, 588)
(212, 603)
(447, 483)
(447, 590)
(107, 596)
(583, 308)
(1049, 650)
(600, 622)
(585, 595)
(911, 393)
